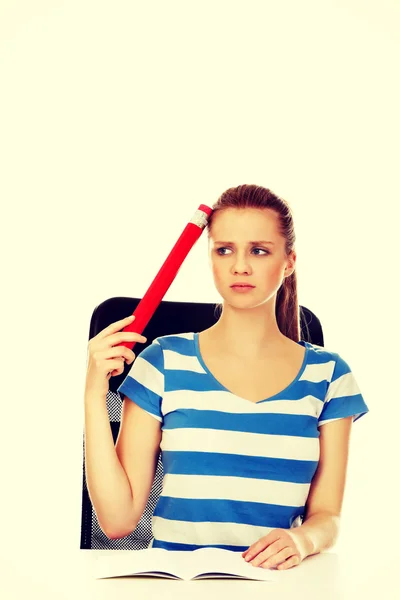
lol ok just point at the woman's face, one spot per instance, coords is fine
(235, 258)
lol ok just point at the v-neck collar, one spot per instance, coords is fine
(223, 388)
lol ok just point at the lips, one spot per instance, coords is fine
(242, 285)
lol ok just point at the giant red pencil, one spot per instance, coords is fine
(167, 273)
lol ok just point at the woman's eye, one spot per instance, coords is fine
(261, 249)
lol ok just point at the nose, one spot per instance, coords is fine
(241, 264)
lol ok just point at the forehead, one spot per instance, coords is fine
(245, 224)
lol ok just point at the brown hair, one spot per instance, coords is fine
(253, 196)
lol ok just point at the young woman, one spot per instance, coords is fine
(252, 422)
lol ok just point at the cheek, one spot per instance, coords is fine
(217, 273)
(212, 265)
(277, 271)
(274, 267)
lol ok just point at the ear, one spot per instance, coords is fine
(291, 264)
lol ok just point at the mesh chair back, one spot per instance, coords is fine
(169, 318)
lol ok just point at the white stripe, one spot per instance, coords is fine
(345, 385)
(242, 489)
(318, 372)
(207, 533)
(337, 419)
(187, 336)
(243, 443)
(222, 401)
(181, 362)
(146, 374)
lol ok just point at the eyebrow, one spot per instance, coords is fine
(252, 243)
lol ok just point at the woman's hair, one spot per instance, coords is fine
(254, 196)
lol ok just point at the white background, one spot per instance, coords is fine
(119, 118)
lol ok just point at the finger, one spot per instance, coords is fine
(114, 327)
(290, 562)
(115, 367)
(277, 558)
(123, 336)
(262, 543)
(120, 352)
(102, 358)
(264, 551)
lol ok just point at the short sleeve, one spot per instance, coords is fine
(144, 383)
(343, 397)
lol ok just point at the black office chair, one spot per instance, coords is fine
(169, 318)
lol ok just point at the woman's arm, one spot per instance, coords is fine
(107, 482)
(320, 528)
(119, 478)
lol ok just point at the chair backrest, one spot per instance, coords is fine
(169, 318)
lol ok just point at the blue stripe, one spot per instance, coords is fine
(319, 355)
(341, 368)
(141, 395)
(189, 547)
(220, 511)
(232, 465)
(344, 406)
(178, 344)
(272, 423)
(154, 355)
(179, 379)
(182, 379)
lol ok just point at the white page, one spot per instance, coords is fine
(187, 565)
(218, 561)
(156, 562)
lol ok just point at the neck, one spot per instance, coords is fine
(248, 333)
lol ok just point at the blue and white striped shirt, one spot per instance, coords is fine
(234, 469)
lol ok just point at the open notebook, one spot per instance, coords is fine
(204, 563)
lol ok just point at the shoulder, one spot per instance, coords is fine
(325, 359)
(319, 351)
(173, 344)
(175, 341)
(174, 352)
